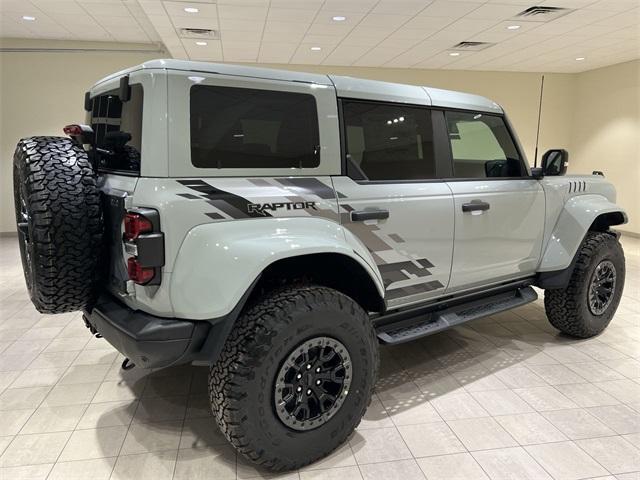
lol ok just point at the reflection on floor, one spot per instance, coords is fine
(503, 397)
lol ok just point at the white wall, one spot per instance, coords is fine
(41, 92)
(605, 132)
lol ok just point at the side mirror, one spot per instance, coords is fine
(555, 162)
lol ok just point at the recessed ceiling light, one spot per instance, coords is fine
(339, 18)
(579, 59)
(454, 54)
(191, 10)
(28, 18)
(201, 44)
(513, 27)
(316, 49)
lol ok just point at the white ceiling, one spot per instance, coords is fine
(376, 33)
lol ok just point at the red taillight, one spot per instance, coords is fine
(72, 130)
(135, 224)
(138, 273)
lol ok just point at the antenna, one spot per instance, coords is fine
(535, 158)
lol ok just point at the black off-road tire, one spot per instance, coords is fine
(242, 382)
(60, 224)
(568, 308)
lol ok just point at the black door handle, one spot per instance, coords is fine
(475, 206)
(362, 215)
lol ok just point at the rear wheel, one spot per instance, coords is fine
(295, 376)
(586, 306)
(59, 222)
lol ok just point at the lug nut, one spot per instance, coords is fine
(299, 389)
(309, 366)
(299, 376)
(318, 382)
(318, 370)
(309, 392)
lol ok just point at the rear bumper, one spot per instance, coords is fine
(148, 341)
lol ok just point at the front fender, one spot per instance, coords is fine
(574, 221)
(218, 262)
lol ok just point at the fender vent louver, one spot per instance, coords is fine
(471, 46)
(542, 14)
(576, 187)
(199, 33)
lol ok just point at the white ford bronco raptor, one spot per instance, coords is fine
(277, 226)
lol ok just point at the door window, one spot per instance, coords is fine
(482, 146)
(249, 128)
(389, 142)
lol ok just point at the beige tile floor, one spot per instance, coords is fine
(503, 398)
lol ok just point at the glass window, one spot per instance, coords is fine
(117, 128)
(482, 146)
(247, 128)
(389, 142)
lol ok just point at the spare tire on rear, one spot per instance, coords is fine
(60, 225)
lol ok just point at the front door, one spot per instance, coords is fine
(392, 201)
(499, 208)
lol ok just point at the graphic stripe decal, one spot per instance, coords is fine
(233, 205)
(395, 272)
(412, 290)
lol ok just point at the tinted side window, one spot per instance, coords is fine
(117, 128)
(389, 142)
(482, 146)
(248, 128)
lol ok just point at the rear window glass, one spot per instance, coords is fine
(248, 128)
(117, 128)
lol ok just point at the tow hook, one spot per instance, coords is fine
(127, 365)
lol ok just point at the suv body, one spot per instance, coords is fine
(427, 248)
(224, 183)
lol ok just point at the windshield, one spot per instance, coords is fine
(117, 128)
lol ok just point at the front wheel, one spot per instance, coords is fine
(295, 376)
(586, 306)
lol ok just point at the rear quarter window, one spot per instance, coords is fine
(117, 128)
(250, 128)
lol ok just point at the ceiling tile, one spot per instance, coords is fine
(428, 23)
(291, 15)
(340, 7)
(112, 9)
(345, 54)
(234, 12)
(387, 21)
(306, 4)
(205, 10)
(494, 11)
(406, 7)
(211, 52)
(322, 29)
(241, 36)
(444, 8)
(241, 25)
(389, 33)
(240, 51)
(207, 23)
(276, 52)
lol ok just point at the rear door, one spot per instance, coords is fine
(499, 207)
(392, 199)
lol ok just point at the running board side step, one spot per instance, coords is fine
(434, 322)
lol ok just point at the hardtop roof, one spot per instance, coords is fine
(349, 87)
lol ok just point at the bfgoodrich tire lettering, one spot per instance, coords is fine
(568, 309)
(59, 221)
(241, 383)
